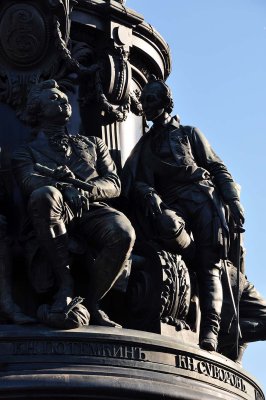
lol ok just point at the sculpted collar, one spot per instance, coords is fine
(60, 143)
(173, 121)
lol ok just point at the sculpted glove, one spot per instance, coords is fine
(237, 212)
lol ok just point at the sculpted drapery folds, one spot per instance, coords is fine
(55, 206)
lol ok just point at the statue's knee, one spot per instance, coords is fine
(127, 236)
(45, 198)
(124, 236)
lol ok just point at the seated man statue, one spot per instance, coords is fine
(180, 184)
(55, 206)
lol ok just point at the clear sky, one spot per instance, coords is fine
(219, 85)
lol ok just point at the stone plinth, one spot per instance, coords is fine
(104, 363)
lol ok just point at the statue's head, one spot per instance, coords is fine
(47, 103)
(156, 99)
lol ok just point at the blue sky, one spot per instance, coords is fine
(219, 85)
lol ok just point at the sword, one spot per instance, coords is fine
(232, 297)
(68, 179)
(238, 230)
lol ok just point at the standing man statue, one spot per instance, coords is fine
(180, 184)
(55, 207)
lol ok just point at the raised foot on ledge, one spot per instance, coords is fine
(98, 317)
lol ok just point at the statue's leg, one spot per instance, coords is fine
(210, 295)
(7, 305)
(49, 214)
(206, 230)
(113, 236)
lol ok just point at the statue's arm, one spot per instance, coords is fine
(25, 174)
(107, 185)
(208, 159)
(228, 189)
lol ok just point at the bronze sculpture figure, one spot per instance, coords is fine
(55, 207)
(181, 185)
(10, 310)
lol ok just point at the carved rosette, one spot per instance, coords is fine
(29, 33)
(23, 35)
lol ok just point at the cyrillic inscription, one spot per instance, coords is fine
(211, 370)
(129, 352)
(78, 349)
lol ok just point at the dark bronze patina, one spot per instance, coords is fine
(191, 204)
(55, 205)
(74, 248)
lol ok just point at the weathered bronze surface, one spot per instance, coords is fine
(175, 178)
(56, 207)
(66, 245)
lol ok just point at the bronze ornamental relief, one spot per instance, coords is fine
(23, 35)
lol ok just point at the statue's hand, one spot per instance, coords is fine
(76, 200)
(62, 172)
(237, 212)
(153, 204)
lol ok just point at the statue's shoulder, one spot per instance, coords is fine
(186, 129)
(83, 142)
(179, 131)
(86, 139)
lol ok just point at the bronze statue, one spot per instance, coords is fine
(10, 310)
(181, 185)
(252, 316)
(56, 207)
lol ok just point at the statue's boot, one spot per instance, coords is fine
(211, 298)
(107, 267)
(7, 305)
(58, 255)
(100, 318)
(229, 351)
(46, 207)
(241, 350)
(101, 280)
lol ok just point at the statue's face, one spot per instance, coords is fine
(152, 101)
(55, 106)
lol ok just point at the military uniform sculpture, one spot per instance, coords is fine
(186, 191)
(173, 177)
(55, 207)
